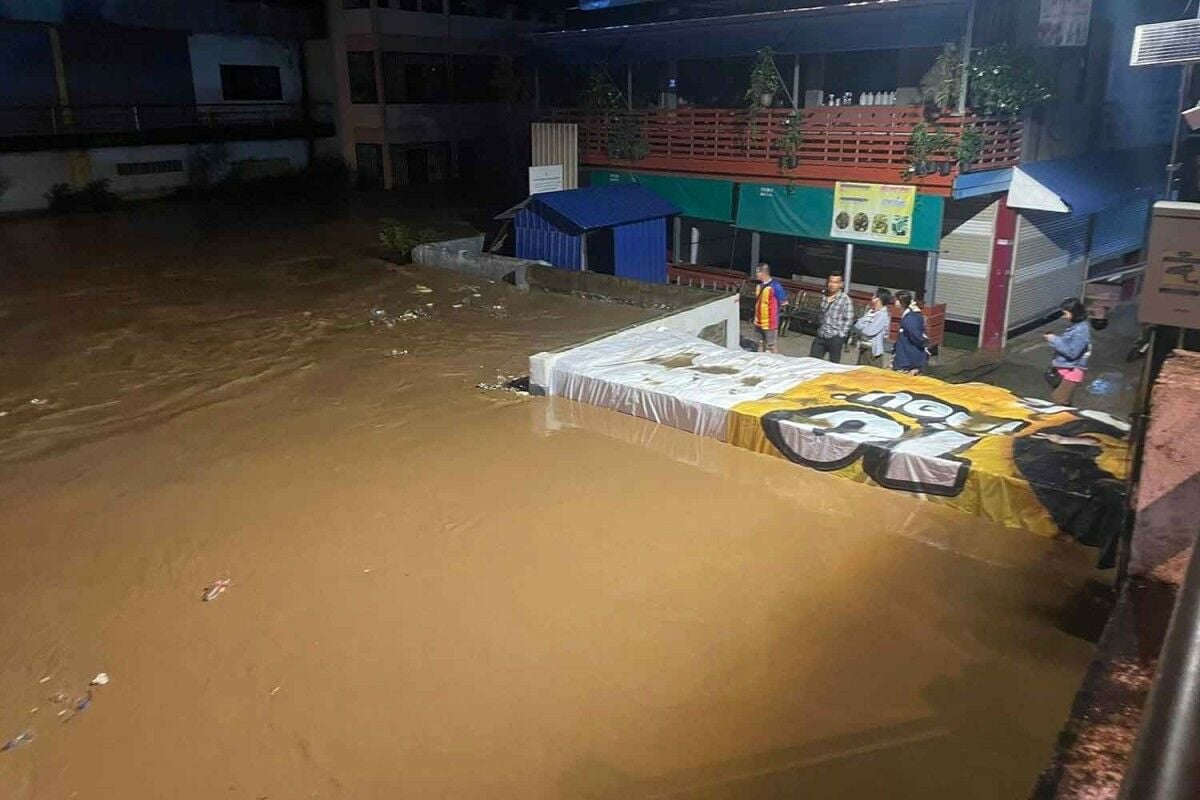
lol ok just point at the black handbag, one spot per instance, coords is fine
(1053, 377)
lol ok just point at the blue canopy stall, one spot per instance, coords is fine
(618, 230)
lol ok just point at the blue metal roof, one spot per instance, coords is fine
(1093, 182)
(866, 25)
(601, 206)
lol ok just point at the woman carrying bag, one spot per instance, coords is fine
(1071, 352)
(871, 330)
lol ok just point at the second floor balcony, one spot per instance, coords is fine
(56, 127)
(876, 144)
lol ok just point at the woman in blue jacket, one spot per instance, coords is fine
(1071, 352)
(911, 356)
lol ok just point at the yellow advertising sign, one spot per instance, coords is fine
(873, 212)
(1021, 462)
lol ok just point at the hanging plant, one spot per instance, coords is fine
(765, 82)
(941, 85)
(600, 93)
(789, 142)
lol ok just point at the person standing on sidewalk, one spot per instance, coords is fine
(1071, 352)
(872, 329)
(912, 354)
(837, 316)
(769, 297)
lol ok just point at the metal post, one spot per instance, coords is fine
(755, 250)
(1185, 78)
(1166, 759)
(673, 84)
(968, 38)
(677, 249)
(931, 266)
(537, 90)
(695, 246)
(849, 266)
(796, 82)
(629, 86)
(137, 122)
(583, 252)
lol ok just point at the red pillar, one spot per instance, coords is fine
(993, 333)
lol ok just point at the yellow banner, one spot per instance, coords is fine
(1021, 462)
(872, 212)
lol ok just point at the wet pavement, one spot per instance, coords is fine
(432, 591)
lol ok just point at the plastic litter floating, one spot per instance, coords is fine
(216, 590)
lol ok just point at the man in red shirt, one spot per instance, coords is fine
(768, 299)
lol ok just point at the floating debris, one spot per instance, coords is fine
(474, 290)
(274, 691)
(215, 591)
(38, 401)
(101, 679)
(45, 679)
(421, 289)
(456, 305)
(397, 353)
(18, 740)
(515, 384)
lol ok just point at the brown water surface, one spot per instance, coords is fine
(444, 592)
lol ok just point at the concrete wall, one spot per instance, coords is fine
(209, 51)
(32, 174)
(1168, 493)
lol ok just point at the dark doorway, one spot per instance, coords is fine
(418, 166)
(600, 251)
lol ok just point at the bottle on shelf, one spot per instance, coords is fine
(862, 99)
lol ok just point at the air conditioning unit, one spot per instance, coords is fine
(1166, 43)
(1171, 289)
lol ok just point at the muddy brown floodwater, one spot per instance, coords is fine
(438, 591)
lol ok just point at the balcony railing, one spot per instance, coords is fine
(869, 143)
(33, 121)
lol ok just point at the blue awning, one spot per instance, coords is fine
(601, 206)
(1088, 183)
(868, 25)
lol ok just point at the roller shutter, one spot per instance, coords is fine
(1049, 264)
(1117, 231)
(965, 255)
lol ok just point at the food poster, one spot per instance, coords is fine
(872, 212)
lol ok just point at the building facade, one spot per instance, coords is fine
(430, 90)
(1045, 202)
(137, 95)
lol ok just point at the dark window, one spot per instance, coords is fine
(355, 3)
(361, 66)
(149, 167)
(425, 79)
(473, 78)
(477, 8)
(250, 82)
(428, 6)
(369, 165)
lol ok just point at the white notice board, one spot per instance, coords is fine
(545, 179)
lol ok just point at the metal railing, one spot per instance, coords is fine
(74, 119)
(1166, 759)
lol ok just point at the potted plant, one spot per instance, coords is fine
(764, 80)
(1000, 82)
(790, 141)
(926, 141)
(764, 83)
(970, 145)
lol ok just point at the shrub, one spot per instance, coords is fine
(402, 237)
(95, 196)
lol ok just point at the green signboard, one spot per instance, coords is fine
(700, 198)
(808, 211)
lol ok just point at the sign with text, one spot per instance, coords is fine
(873, 212)
(546, 179)
(1064, 23)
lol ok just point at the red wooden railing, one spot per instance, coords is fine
(868, 143)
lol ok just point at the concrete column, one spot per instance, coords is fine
(846, 271)
(695, 246)
(796, 82)
(677, 248)
(931, 266)
(968, 39)
(755, 250)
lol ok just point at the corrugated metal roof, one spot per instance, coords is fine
(1088, 183)
(601, 206)
(865, 25)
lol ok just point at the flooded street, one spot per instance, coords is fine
(438, 591)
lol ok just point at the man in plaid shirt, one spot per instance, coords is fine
(837, 316)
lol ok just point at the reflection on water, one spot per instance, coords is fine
(432, 596)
